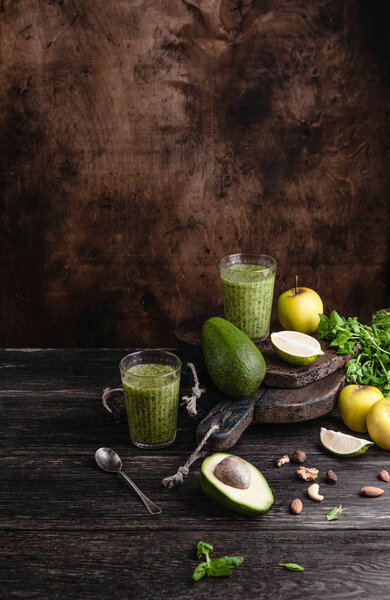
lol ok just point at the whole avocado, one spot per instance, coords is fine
(234, 363)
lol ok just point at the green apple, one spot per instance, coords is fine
(378, 423)
(298, 310)
(354, 402)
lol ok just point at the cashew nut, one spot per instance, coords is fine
(312, 492)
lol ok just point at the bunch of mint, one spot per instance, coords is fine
(371, 366)
(214, 567)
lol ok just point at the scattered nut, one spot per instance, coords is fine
(384, 475)
(298, 456)
(296, 506)
(307, 474)
(312, 492)
(371, 492)
(282, 461)
(331, 476)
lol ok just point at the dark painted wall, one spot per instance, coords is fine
(141, 141)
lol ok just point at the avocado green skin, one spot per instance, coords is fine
(220, 498)
(234, 363)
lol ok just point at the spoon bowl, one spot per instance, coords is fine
(108, 460)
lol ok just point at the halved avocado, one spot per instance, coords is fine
(255, 500)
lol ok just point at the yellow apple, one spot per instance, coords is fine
(298, 310)
(354, 402)
(378, 423)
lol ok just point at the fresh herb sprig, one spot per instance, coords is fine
(291, 566)
(214, 567)
(371, 366)
(334, 513)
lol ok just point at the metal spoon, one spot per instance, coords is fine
(109, 460)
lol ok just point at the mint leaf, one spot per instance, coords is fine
(334, 513)
(231, 561)
(323, 327)
(336, 320)
(291, 566)
(218, 568)
(203, 548)
(342, 338)
(200, 571)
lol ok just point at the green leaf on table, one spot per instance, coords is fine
(334, 513)
(203, 548)
(216, 567)
(200, 571)
(291, 566)
(231, 561)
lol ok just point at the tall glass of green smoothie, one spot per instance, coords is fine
(248, 287)
(151, 384)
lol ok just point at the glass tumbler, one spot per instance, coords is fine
(248, 287)
(151, 385)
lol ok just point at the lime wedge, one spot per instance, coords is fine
(296, 348)
(342, 444)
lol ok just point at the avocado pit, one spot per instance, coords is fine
(233, 471)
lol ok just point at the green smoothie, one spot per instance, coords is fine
(151, 396)
(247, 296)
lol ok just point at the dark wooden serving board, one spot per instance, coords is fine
(279, 374)
(269, 405)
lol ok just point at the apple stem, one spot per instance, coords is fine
(355, 382)
(296, 284)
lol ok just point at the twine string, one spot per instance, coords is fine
(196, 391)
(178, 478)
(106, 394)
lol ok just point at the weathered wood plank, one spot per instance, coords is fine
(147, 566)
(60, 369)
(69, 530)
(67, 490)
(77, 418)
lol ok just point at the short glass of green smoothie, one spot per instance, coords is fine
(151, 384)
(248, 288)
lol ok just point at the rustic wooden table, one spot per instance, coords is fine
(68, 530)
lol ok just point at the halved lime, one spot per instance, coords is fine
(296, 348)
(343, 444)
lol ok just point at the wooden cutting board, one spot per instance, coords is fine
(279, 374)
(289, 393)
(269, 405)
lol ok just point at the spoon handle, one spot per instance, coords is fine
(152, 508)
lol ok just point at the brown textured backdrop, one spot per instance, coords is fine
(142, 140)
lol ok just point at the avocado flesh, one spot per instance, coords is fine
(255, 500)
(234, 363)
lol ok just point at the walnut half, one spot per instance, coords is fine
(307, 474)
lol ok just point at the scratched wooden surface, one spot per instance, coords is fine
(69, 531)
(141, 141)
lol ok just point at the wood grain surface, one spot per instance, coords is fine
(142, 141)
(70, 531)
